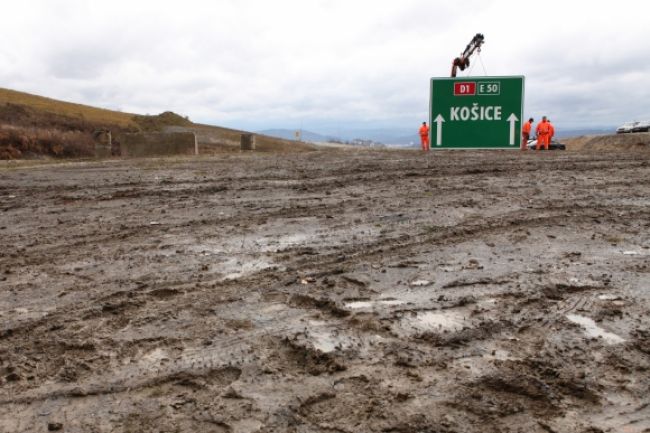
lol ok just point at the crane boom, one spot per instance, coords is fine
(462, 62)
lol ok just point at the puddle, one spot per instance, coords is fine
(392, 302)
(581, 282)
(609, 297)
(205, 250)
(275, 243)
(154, 358)
(243, 267)
(324, 339)
(250, 243)
(355, 305)
(274, 308)
(488, 303)
(479, 364)
(247, 426)
(436, 321)
(293, 240)
(358, 304)
(631, 253)
(420, 283)
(593, 330)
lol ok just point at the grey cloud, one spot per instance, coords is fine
(334, 62)
(83, 63)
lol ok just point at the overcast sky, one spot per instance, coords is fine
(322, 65)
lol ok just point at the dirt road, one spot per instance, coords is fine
(327, 292)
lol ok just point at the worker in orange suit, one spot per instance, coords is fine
(543, 130)
(551, 131)
(424, 136)
(525, 133)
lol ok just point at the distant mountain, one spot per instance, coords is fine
(585, 131)
(290, 134)
(388, 136)
(404, 141)
(395, 136)
(408, 140)
(402, 137)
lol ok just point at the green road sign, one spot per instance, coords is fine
(476, 113)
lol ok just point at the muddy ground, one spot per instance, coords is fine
(327, 292)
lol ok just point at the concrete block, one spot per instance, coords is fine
(158, 144)
(247, 142)
(102, 150)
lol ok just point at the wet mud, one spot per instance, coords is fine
(327, 292)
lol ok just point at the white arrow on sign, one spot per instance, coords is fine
(439, 120)
(513, 120)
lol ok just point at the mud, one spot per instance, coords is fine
(327, 292)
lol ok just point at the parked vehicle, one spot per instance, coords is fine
(555, 145)
(643, 126)
(626, 127)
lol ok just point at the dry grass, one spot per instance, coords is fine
(19, 142)
(61, 108)
(33, 126)
(36, 125)
(613, 142)
(161, 121)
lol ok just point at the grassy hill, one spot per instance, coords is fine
(68, 109)
(36, 126)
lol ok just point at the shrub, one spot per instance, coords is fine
(17, 142)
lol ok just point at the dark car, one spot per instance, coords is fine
(555, 145)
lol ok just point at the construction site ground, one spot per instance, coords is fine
(327, 291)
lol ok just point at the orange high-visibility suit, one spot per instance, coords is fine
(551, 131)
(543, 130)
(525, 135)
(424, 136)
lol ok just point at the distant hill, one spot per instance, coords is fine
(36, 126)
(397, 136)
(289, 134)
(610, 142)
(404, 137)
(404, 141)
(40, 104)
(564, 133)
